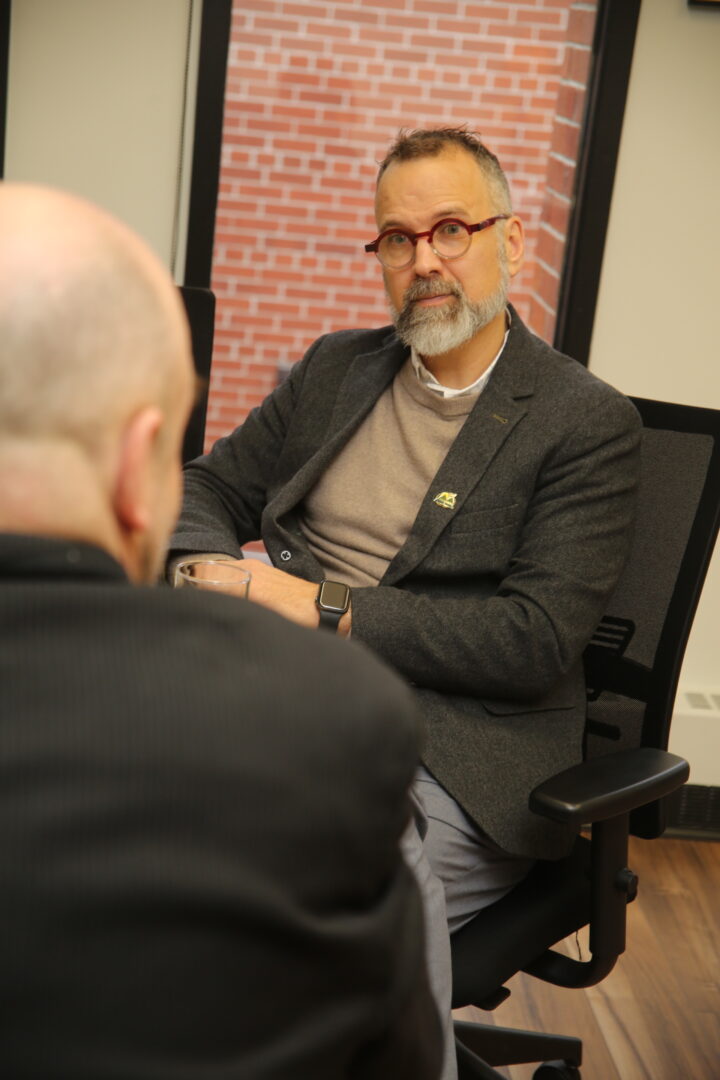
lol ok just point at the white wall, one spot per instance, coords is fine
(656, 329)
(96, 95)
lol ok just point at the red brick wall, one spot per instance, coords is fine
(316, 91)
(560, 169)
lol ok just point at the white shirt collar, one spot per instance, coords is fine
(428, 379)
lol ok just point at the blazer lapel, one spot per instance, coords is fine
(498, 410)
(368, 375)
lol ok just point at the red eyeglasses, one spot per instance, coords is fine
(449, 238)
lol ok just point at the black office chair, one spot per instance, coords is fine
(200, 310)
(632, 667)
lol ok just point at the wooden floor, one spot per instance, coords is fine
(657, 1015)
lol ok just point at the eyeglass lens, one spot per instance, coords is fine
(449, 240)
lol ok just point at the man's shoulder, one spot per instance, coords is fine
(309, 670)
(375, 336)
(560, 379)
(355, 341)
(331, 357)
(326, 703)
(212, 669)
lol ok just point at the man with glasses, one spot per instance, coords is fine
(456, 495)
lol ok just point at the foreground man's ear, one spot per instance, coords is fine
(133, 490)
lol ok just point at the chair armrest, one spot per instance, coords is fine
(605, 787)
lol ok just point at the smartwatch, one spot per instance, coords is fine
(333, 600)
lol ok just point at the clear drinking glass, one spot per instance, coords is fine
(219, 575)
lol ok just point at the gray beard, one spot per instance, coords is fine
(435, 331)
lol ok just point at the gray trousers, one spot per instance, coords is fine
(459, 870)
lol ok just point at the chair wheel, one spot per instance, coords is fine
(557, 1070)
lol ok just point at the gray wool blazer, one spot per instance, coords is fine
(488, 605)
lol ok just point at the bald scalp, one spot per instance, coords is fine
(90, 324)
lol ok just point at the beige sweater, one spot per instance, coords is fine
(360, 512)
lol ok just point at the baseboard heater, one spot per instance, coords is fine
(694, 810)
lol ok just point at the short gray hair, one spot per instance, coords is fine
(429, 142)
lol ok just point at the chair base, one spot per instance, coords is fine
(480, 1046)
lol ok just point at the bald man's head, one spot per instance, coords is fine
(93, 335)
(89, 320)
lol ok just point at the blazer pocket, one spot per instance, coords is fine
(557, 699)
(486, 519)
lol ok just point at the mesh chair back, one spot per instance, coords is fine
(200, 310)
(633, 661)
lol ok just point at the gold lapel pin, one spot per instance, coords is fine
(502, 419)
(446, 499)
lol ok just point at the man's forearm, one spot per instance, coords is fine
(289, 596)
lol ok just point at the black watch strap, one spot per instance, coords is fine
(330, 620)
(333, 600)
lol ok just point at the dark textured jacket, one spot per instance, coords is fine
(487, 606)
(200, 874)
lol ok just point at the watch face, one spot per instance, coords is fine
(334, 596)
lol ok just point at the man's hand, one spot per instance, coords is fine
(287, 595)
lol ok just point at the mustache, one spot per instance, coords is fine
(422, 288)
